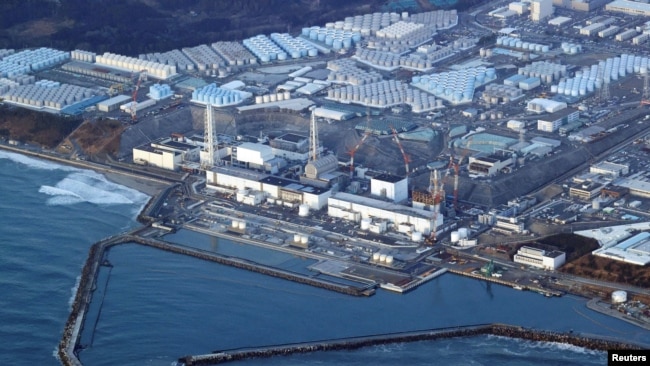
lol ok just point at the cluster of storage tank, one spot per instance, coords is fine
(331, 37)
(441, 19)
(345, 71)
(81, 55)
(173, 57)
(382, 258)
(238, 225)
(495, 93)
(455, 86)
(10, 69)
(270, 98)
(590, 78)
(519, 44)
(264, 49)
(46, 93)
(546, 71)
(367, 24)
(403, 44)
(6, 52)
(204, 57)
(398, 30)
(301, 239)
(491, 115)
(212, 94)
(462, 233)
(154, 69)
(391, 61)
(38, 59)
(295, 47)
(6, 84)
(485, 52)
(381, 94)
(571, 48)
(234, 53)
(159, 91)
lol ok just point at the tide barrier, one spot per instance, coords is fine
(404, 337)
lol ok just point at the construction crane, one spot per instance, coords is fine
(436, 189)
(456, 167)
(406, 158)
(358, 145)
(134, 96)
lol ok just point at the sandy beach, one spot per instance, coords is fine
(143, 185)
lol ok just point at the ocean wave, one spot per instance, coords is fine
(73, 292)
(35, 163)
(550, 346)
(89, 186)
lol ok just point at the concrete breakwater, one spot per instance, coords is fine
(424, 335)
(69, 347)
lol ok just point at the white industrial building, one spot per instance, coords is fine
(629, 7)
(540, 9)
(355, 208)
(488, 165)
(635, 250)
(519, 7)
(165, 153)
(539, 105)
(559, 21)
(540, 258)
(611, 169)
(276, 190)
(592, 29)
(112, 104)
(256, 156)
(389, 186)
(553, 121)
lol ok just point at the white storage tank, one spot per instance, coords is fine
(389, 259)
(455, 237)
(619, 297)
(463, 232)
(416, 236)
(376, 257)
(365, 224)
(382, 258)
(303, 210)
(304, 239)
(235, 224)
(242, 225)
(296, 238)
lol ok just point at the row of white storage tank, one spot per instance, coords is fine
(398, 30)
(81, 55)
(571, 48)
(345, 71)
(329, 35)
(234, 53)
(173, 57)
(403, 44)
(519, 44)
(302, 239)
(270, 98)
(295, 47)
(546, 71)
(462, 233)
(204, 57)
(154, 69)
(238, 224)
(366, 24)
(382, 258)
(212, 94)
(455, 86)
(264, 49)
(441, 19)
(10, 69)
(48, 94)
(38, 59)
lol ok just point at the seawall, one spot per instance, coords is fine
(423, 335)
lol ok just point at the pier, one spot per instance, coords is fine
(504, 330)
(545, 292)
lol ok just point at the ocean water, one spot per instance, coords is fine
(152, 307)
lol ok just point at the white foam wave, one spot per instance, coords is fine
(553, 346)
(92, 187)
(35, 163)
(73, 291)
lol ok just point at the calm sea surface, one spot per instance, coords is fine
(153, 307)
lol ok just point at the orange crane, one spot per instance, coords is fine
(134, 96)
(406, 158)
(358, 145)
(456, 167)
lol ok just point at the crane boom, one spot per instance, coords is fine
(134, 96)
(406, 158)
